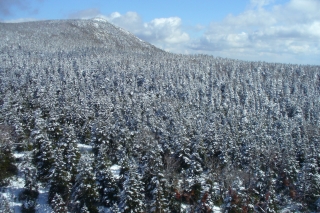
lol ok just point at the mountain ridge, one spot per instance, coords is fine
(68, 35)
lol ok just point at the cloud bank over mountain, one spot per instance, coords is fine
(288, 31)
(165, 33)
(268, 30)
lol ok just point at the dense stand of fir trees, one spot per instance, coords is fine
(186, 130)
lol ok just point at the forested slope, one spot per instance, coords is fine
(188, 131)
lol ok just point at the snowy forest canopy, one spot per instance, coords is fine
(188, 131)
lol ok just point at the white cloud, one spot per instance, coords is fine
(157, 30)
(130, 21)
(166, 29)
(260, 3)
(288, 32)
(165, 33)
(20, 20)
(278, 34)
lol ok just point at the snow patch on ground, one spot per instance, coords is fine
(187, 208)
(16, 187)
(18, 155)
(216, 209)
(11, 193)
(43, 206)
(84, 147)
(115, 170)
(96, 25)
(100, 19)
(125, 31)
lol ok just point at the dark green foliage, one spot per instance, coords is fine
(70, 151)
(29, 206)
(84, 194)
(58, 204)
(30, 191)
(60, 179)
(174, 200)
(132, 197)
(43, 148)
(196, 191)
(157, 194)
(44, 159)
(107, 184)
(7, 167)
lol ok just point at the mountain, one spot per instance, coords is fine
(92, 119)
(69, 35)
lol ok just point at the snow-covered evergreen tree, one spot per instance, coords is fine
(58, 204)
(132, 197)
(107, 184)
(5, 205)
(30, 193)
(60, 178)
(85, 194)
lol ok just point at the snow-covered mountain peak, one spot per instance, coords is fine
(100, 19)
(70, 35)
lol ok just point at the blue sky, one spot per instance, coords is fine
(286, 31)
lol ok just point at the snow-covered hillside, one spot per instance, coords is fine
(69, 35)
(92, 119)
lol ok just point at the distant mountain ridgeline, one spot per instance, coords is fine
(68, 35)
(188, 131)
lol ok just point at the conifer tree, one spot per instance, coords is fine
(132, 194)
(58, 204)
(60, 178)
(108, 186)
(70, 151)
(84, 192)
(30, 193)
(7, 166)
(5, 205)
